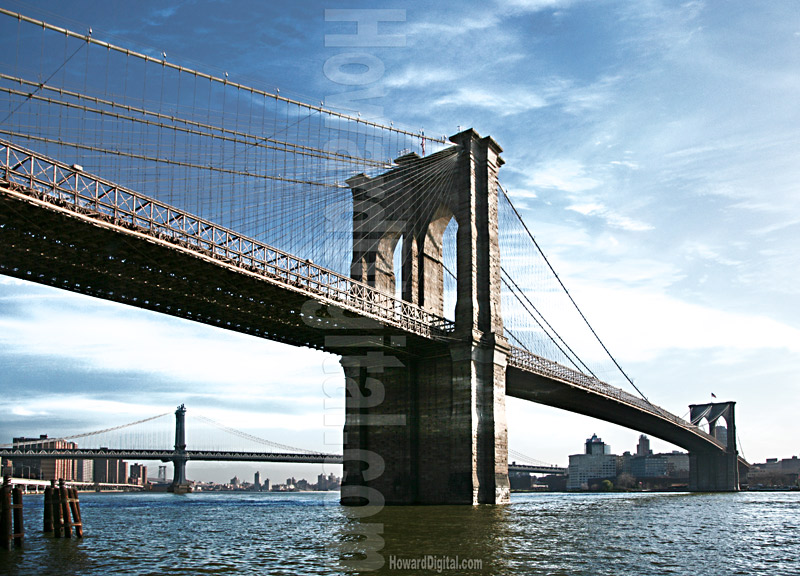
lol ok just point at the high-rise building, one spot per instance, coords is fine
(110, 471)
(597, 463)
(595, 445)
(84, 470)
(257, 481)
(643, 447)
(138, 474)
(122, 472)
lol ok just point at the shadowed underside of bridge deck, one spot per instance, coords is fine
(527, 385)
(44, 243)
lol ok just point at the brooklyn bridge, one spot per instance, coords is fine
(130, 178)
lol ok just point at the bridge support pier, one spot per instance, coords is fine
(429, 426)
(180, 485)
(715, 471)
(431, 431)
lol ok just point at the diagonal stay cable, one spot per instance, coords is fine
(571, 299)
(557, 335)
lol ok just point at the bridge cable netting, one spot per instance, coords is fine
(271, 168)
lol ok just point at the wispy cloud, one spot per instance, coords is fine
(421, 77)
(533, 5)
(563, 174)
(613, 219)
(694, 249)
(644, 325)
(60, 328)
(498, 101)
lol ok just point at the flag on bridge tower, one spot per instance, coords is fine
(713, 395)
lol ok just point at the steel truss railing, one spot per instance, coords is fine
(524, 360)
(69, 187)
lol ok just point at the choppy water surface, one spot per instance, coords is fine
(299, 534)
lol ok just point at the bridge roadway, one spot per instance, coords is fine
(62, 227)
(215, 456)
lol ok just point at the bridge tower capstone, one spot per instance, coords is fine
(430, 422)
(179, 483)
(715, 471)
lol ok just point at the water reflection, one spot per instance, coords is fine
(432, 539)
(310, 534)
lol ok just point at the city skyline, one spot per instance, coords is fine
(672, 224)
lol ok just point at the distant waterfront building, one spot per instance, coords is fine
(138, 475)
(107, 471)
(785, 466)
(677, 464)
(774, 472)
(43, 468)
(330, 482)
(257, 481)
(645, 464)
(648, 467)
(597, 463)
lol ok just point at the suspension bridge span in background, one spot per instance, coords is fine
(179, 454)
(397, 251)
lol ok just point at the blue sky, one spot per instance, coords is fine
(651, 147)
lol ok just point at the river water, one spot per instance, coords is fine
(638, 534)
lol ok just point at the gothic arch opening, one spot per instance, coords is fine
(397, 266)
(438, 263)
(450, 263)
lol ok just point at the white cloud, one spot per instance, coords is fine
(418, 76)
(442, 29)
(705, 252)
(504, 102)
(640, 325)
(534, 5)
(564, 174)
(102, 336)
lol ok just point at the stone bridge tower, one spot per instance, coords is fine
(426, 423)
(715, 471)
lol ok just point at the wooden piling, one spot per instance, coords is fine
(55, 507)
(19, 529)
(5, 514)
(65, 511)
(48, 509)
(75, 507)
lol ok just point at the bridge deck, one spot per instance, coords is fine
(214, 456)
(539, 380)
(92, 237)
